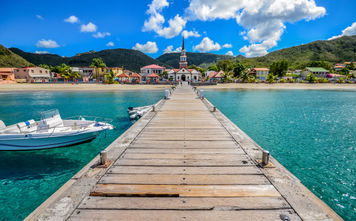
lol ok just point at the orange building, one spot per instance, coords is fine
(7, 75)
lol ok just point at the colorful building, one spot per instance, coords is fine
(151, 69)
(317, 71)
(7, 75)
(33, 74)
(260, 73)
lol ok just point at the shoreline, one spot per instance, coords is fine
(127, 87)
(282, 86)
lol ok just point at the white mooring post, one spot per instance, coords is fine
(201, 94)
(103, 157)
(166, 94)
(153, 108)
(265, 157)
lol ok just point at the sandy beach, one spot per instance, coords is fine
(285, 86)
(122, 87)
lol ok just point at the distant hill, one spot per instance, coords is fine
(127, 58)
(337, 50)
(199, 59)
(10, 59)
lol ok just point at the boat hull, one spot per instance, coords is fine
(36, 142)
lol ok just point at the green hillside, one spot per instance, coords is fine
(127, 58)
(199, 59)
(10, 59)
(333, 51)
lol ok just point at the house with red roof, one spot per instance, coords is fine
(151, 69)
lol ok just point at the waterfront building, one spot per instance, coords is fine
(151, 69)
(33, 74)
(183, 73)
(216, 76)
(85, 72)
(260, 73)
(7, 75)
(317, 71)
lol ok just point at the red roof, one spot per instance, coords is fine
(261, 69)
(135, 75)
(153, 76)
(123, 75)
(218, 75)
(152, 66)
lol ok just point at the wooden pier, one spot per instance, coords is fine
(184, 162)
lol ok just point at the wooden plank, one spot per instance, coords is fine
(164, 215)
(186, 150)
(183, 179)
(183, 144)
(181, 203)
(184, 170)
(202, 156)
(185, 190)
(174, 162)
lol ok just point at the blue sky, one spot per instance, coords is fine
(247, 27)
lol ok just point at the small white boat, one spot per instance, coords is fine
(51, 131)
(137, 112)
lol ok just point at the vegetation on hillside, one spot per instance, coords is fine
(126, 58)
(10, 59)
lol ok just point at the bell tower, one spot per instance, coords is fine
(183, 58)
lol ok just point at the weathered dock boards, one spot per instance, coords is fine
(187, 164)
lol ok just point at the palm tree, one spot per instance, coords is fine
(110, 77)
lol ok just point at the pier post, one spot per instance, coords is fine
(153, 108)
(166, 94)
(214, 109)
(103, 157)
(201, 94)
(265, 157)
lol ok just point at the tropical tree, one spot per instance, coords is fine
(75, 75)
(311, 78)
(239, 69)
(110, 77)
(213, 68)
(279, 68)
(244, 76)
(164, 74)
(98, 62)
(64, 70)
(46, 66)
(226, 65)
(271, 78)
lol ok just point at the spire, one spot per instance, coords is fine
(183, 44)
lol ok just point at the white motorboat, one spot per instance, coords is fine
(137, 112)
(51, 131)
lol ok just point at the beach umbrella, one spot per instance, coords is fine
(135, 75)
(123, 75)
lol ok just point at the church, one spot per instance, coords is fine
(183, 73)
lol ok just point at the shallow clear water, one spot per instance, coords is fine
(312, 133)
(28, 178)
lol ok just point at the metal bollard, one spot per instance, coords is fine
(265, 157)
(103, 157)
(153, 108)
(214, 109)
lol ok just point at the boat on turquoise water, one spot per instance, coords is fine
(50, 132)
(138, 112)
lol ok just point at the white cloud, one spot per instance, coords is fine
(207, 45)
(263, 19)
(101, 34)
(41, 52)
(47, 44)
(110, 44)
(156, 20)
(90, 27)
(187, 34)
(227, 46)
(72, 19)
(39, 17)
(169, 49)
(149, 48)
(230, 53)
(351, 30)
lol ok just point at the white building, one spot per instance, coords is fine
(183, 73)
(87, 73)
(151, 69)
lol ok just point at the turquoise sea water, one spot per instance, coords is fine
(28, 178)
(312, 133)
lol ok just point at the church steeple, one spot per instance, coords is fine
(183, 58)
